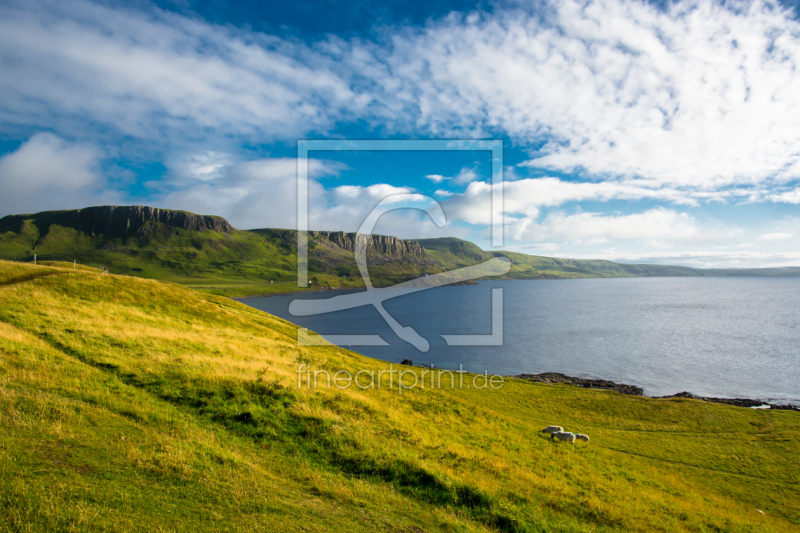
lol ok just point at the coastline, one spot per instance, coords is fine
(550, 378)
(253, 296)
(582, 382)
(340, 289)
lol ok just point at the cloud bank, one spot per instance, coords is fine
(695, 95)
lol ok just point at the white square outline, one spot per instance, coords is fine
(497, 225)
(304, 146)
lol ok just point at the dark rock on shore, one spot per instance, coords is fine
(738, 402)
(555, 377)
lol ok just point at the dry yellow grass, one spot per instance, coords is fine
(128, 404)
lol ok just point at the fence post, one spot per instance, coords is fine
(34, 259)
(74, 263)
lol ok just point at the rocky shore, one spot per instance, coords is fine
(550, 378)
(738, 402)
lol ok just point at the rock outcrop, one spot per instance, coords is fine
(738, 402)
(130, 219)
(378, 244)
(587, 383)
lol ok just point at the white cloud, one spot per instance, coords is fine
(525, 197)
(776, 236)
(788, 197)
(465, 175)
(695, 95)
(250, 194)
(200, 166)
(47, 172)
(535, 248)
(263, 193)
(159, 76)
(701, 258)
(653, 226)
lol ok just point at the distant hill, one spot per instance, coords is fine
(456, 252)
(207, 253)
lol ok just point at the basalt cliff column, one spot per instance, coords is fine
(130, 219)
(378, 244)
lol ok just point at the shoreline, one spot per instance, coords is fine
(340, 289)
(250, 297)
(550, 378)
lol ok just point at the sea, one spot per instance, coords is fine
(730, 337)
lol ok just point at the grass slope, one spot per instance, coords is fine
(135, 405)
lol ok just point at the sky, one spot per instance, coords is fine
(650, 132)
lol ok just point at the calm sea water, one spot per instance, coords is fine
(728, 337)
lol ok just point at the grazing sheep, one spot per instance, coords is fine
(563, 435)
(581, 436)
(552, 429)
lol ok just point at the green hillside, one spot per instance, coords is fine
(209, 255)
(134, 405)
(232, 263)
(456, 252)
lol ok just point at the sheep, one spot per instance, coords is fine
(563, 435)
(552, 429)
(581, 436)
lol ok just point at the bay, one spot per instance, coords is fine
(725, 337)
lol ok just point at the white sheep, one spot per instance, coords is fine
(563, 435)
(552, 429)
(581, 436)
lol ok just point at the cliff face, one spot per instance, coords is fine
(130, 219)
(378, 244)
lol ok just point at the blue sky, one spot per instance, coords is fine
(633, 131)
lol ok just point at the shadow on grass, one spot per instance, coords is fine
(261, 411)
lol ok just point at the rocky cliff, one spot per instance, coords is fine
(131, 219)
(378, 244)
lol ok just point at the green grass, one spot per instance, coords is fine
(247, 263)
(136, 405)
(243, 263)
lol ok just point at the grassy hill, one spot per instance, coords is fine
(456, 253)
(129, 404)
(453, 252)
(225, 262)
(209, 255)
